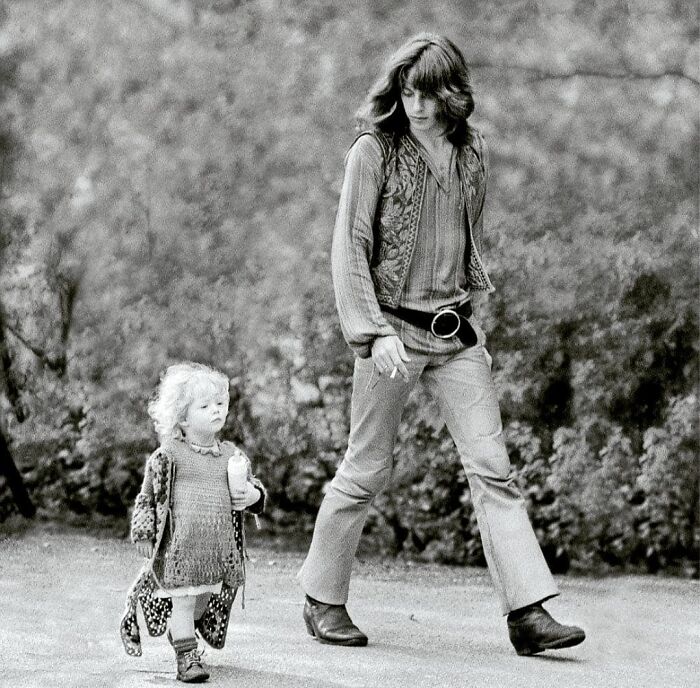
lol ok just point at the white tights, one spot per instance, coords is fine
(185, 610)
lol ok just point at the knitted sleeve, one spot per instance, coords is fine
(143, 516)
(259, 506)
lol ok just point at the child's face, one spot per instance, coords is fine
(206, 414)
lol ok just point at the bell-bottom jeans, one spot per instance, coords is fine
(464, 389)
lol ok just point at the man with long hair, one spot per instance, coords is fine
(406, 263)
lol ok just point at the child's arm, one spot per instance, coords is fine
(252, 499)
(255, 503)
(254, 496)
(257, 493)
(143, 517)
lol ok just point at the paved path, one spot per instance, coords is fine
(61, 596)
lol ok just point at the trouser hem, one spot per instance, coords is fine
(525, 602)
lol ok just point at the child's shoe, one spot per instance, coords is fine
(189, 663)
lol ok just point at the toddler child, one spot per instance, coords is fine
(188, 520)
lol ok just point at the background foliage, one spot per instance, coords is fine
(170, 174)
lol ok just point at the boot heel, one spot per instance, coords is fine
(309, 628)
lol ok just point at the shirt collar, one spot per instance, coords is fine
(213, 449)
(443, 180)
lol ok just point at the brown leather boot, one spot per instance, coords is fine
(189, 662)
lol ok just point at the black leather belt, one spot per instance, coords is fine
(447, 322)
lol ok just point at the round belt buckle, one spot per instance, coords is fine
(445, 325)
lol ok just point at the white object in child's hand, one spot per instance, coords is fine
(237, 478)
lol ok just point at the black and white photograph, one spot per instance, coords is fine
(349, 344)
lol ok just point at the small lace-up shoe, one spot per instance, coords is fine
(189, 661)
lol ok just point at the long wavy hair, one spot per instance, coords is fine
(439, 71)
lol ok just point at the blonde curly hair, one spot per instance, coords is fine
(179, 385)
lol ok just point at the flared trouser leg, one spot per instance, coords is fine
(468, 402)
(464, 389)
(377, 404)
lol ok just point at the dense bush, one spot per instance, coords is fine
(176, 174)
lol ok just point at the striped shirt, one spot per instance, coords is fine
(437, 273)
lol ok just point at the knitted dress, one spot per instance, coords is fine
(198, 550)
(151, 522)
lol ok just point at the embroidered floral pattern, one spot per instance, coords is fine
(473, 168)
(399, 208)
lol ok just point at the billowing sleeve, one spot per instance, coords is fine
(361, 319)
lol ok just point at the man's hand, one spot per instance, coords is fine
(145, 548)
(388, 353)
(243, 499)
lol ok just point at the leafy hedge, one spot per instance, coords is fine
(602, 494)
(595, 502)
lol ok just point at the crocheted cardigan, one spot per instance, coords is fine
(148, 522)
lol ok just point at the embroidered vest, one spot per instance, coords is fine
(399, 209)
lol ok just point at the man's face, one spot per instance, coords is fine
(422, 110)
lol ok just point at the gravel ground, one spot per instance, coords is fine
(62, 592)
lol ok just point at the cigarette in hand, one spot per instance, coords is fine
(393, 373)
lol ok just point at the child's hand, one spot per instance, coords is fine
(244, 498)
(145, 548)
